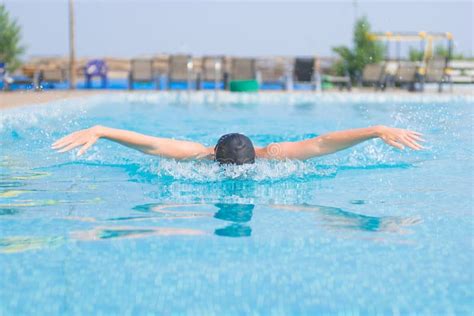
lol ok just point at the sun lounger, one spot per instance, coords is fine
(328, 77)
(95, 68)
(436, 72)
(389, 74)
(461, 71)
(8, 80)
(408, 75)
(242, 76)
(243, 69)
(338, 81)
(181, 70)
(304, 71)
(373, 75)
(273, 72)
(50, 76)
(141, 71)
(3, 69)
(3, 75)
(212, 71)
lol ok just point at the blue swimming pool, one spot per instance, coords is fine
(370, 230)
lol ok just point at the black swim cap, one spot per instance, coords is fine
(234, 149)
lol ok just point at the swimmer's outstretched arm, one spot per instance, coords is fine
(336, 141)
(164, 147)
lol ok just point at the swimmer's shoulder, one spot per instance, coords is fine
(261, 152)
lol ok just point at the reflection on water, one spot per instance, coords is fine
(238, 215)
(233, 220)
(337, 218)
(13, 193)
(10, 184)
(121, 233)
(23, 243)
(129, 232)
(8, 211)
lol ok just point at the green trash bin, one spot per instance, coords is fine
(243, 86)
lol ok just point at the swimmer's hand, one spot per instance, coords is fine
(399, 138)
(85, 138)
(157, 146)
(339, 140)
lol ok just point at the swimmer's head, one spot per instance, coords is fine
(234, 149)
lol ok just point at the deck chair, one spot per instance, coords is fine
(181, 70)
(142, 71)
(407, 74)
(8, 80)
(461, 71)
(212, 71)
(243, 69)
(3, 69)
(324, 67)
(389, 74)
(4, 79)
(304, 71)
(339, 81)
(273, 72)
(95, 68)
(50, 76)
(436, 72)
(374, 75)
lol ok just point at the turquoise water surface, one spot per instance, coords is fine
(369, 230)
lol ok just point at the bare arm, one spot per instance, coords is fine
(164, 147)
(336, 141)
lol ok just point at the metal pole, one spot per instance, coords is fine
(72, 53)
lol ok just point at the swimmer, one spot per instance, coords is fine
(236, 148)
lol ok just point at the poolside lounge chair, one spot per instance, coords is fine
(461, 71)
(141, 70)
(181, 70)
(3, 75)
(243, 69)
(389, 74)
(50, 76)
(8, 80)
(304, 71)
(273, 72)
(408, 74)
(95, 68)
(373, 75)
(242, 76)
(324, 66)
(436, 72)
(212, 70)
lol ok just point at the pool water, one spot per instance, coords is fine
(369, 230)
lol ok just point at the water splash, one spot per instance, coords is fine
(261, 171)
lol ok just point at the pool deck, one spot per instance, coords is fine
(22, 98)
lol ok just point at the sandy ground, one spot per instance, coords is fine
(22, 98)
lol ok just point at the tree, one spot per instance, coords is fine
(365, 51)
(10, 36)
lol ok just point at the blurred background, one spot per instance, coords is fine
(52, 40)
(245, 28)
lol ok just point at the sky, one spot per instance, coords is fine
(243, 28)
